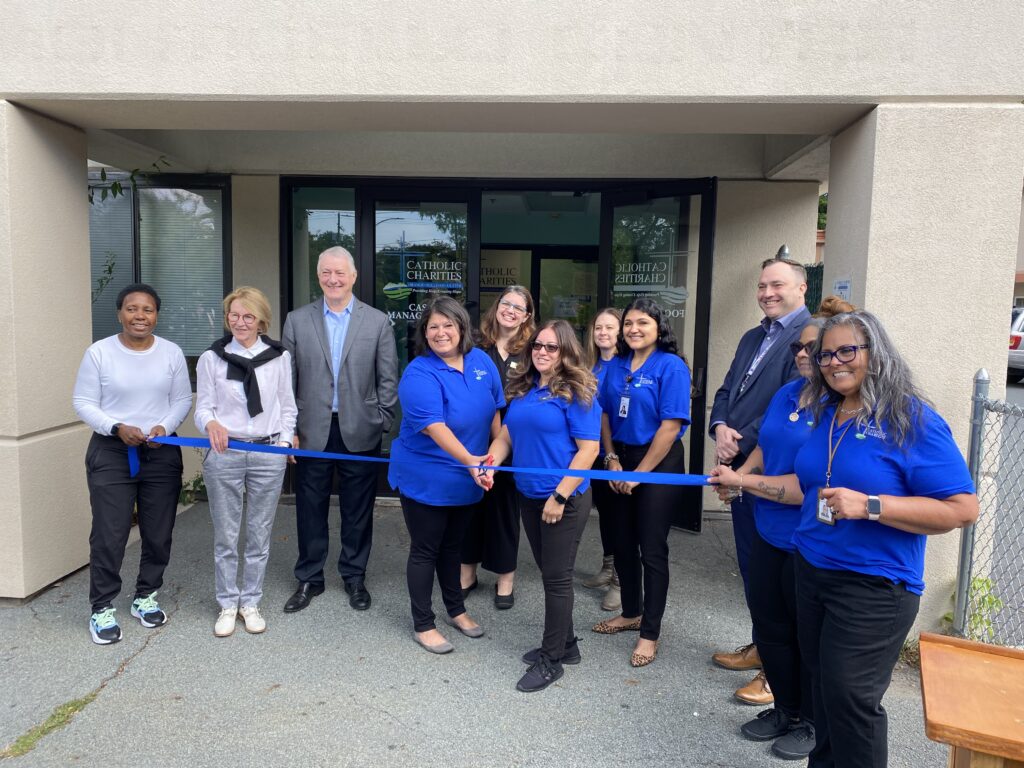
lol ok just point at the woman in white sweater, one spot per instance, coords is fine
(244, 393)
(131, 387)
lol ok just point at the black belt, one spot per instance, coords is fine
(268, 440)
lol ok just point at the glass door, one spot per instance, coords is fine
(653, 247)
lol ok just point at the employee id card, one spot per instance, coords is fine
(825, 513)
(623, 407)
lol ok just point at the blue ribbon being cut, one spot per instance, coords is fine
(652, 478)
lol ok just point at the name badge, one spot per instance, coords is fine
(623, 407)
(825, 514)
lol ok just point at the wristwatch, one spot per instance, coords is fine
(559, 497)
(874, 508)
(114, 429)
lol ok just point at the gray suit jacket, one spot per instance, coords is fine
(367, 380)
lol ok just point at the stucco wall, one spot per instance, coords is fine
(45, 324)
(548, 48)
(928, 236)
(255, 245)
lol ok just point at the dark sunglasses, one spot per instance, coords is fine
(550, 347)
(796, 347)
(843, 354)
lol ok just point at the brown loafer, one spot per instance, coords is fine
(757, 692)
(604, 628)
(743, 658)
(641, 659)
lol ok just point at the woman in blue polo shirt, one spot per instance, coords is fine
(646, 402)
(553, 421)
(450, 395)
(879, 473)
(786, 427)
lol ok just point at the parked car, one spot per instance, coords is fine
(1015, 364)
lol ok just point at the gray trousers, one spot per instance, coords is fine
(227, 476)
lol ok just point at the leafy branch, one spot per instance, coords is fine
(117, 186)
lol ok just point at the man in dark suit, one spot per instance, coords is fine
(763, 363)
(345, 373)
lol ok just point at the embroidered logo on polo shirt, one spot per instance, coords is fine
(479, 373)
(639, 381)
(873, 431)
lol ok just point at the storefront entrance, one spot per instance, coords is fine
(577, 246)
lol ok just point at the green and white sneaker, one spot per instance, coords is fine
(104, 628)
(146, 610)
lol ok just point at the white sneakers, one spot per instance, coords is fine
(254, 622)
(225, 622)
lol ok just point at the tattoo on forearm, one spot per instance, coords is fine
(776, 492)
(756, 470)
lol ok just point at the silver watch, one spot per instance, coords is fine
(874, 508)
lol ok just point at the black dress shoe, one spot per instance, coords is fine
(358, 597)
(504, 602)
(303, 596)
(470, 588)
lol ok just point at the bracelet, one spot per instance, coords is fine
(610, 457)
(741, 487)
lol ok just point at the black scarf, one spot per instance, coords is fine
(243, 369)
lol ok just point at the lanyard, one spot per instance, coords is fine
(833, 449)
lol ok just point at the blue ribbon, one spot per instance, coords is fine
(133, 461)
(651, 478)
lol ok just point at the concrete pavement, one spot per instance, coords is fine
(332, 686)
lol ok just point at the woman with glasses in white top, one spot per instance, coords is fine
(244, 393)
(492, 540)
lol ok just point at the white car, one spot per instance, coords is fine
(1015, 364)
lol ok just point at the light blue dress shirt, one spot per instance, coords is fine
(336, 326)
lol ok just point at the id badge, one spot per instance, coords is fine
(825, 515)
(623, 407)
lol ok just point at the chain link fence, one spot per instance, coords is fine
(990, 582)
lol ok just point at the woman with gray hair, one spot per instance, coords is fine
(879, 473)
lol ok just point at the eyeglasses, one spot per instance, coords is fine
(234, 317)
(513, 307)
(844, 354)
(796, 347)
(550, 347)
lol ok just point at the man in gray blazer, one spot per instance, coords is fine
(345, 373)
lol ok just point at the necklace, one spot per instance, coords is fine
(850, 412)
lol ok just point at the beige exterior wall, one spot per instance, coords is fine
(926, 235)
(255, 239)
(45, 324)
(547, 49)
(754, 219)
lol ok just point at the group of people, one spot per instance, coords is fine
(836, 467)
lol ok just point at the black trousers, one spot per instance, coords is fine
(435, 541)
(114, 495)
(554, 548)
(603, 500)
(492, 538)
(773, 610)
(643, 519)
(357, 483)
(852, 628)
(744, 531)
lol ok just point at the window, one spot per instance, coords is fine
(174, 236)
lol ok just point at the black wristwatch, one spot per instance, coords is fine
(114, 429)
(559, 497)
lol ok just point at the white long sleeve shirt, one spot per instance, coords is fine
(118, 385)
(221, 400)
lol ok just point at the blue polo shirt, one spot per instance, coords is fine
(657, 390)
(544, 429)
(931, 465)
(431, 391)
(780, 438)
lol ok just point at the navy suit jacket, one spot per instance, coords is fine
(744, 411)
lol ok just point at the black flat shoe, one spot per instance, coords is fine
(470, 588)
(303, 596)
(358, 597)
(504, 602)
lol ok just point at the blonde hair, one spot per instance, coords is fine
(591, 354)
(254, 300)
